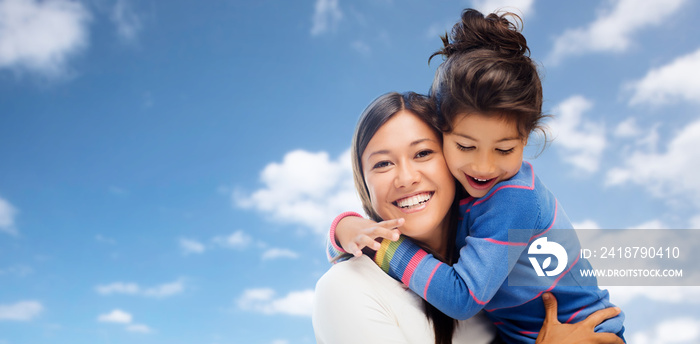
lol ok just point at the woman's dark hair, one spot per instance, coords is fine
(487, 70)
(375, 115)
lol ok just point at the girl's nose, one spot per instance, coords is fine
(483, 165)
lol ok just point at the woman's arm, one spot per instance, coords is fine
(554, 332)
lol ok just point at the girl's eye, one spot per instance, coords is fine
(381, 164)
(505, 151)
(464, 148)
(424, 153)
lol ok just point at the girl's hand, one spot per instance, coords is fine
(554, 331)
(355, 233)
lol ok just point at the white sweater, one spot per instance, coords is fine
(356, 302)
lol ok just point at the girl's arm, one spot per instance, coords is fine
(463, 289)
(350, 233)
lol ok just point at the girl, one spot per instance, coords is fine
(489, 97)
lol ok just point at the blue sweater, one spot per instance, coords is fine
(488, 258)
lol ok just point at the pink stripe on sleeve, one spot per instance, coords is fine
(475, 299)
(575, 314)
(427, 284)
(466, 200)
(528, 332)
(494, 241)
(337, 219)
(412, 265)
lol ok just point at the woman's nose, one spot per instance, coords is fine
(407, 175)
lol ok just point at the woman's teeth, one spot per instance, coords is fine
(413, 201)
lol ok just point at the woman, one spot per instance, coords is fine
(397, 157)
(399, 171)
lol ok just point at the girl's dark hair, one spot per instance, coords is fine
(375, 115)
(488, 70)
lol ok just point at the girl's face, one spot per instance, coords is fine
(482, 151)
(407, 177)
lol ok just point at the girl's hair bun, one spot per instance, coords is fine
(493, 32)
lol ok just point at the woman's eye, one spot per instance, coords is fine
(424, 153)
(381, 164)
(505, 151)
(464, 148)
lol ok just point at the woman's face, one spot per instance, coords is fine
(407, 177)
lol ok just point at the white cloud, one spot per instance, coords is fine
(676, 330)
(436, 30)
(19, 270)
(274, 253)
(622, 295)
(105, 239)
(118, 288)
(165, 290)
(668, 173)
(115, 316)
(7, 216)
(126, 20)
(40, 36)
(307, 189)
(587, 231)
(280, 341)
(586, 224)
(21, 311)
(115, 190)
(695, 222)
(236, 240)
(139, 328)
(119, 316)
(327, 14)
(361, 47)
(651, 224)
(522, 8)
(263, 301)
(614, 27)
(581, 142)
(627, 128)
(160, 291)
(591, 234)
(672, 82)
(191, 246)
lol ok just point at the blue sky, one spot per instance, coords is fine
(168, 169)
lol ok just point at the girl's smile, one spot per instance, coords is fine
(482, 150)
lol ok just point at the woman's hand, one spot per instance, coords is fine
(355, 233)
(554, 332)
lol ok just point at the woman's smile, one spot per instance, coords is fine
(414, 203)
(407, 177)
